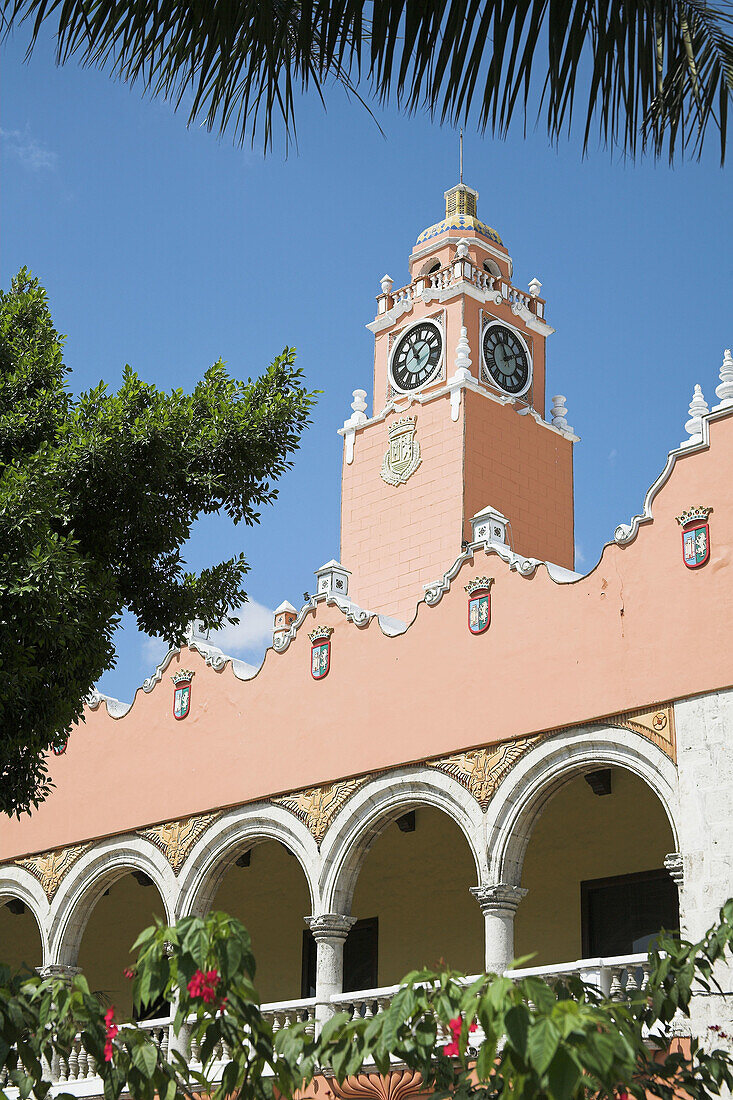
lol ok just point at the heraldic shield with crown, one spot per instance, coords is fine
(320, 651)
(182, 693)
(695, 536)
(479, 604)
(403, 456)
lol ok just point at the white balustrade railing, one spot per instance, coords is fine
(459, 271)
(613, 977)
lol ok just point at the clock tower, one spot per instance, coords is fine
(458, 419)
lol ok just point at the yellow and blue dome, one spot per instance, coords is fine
(460, 214)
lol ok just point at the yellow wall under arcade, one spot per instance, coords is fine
(20, 940)
(417, 884)
(581, 836)
(116, 921)
(271, 898)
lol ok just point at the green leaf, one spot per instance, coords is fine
(516, 1023)
(145, 1058)
(563, 1075)
(542, 1042)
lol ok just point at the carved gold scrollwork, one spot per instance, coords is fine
(481, 771)
(316, 807)
(175, 839)
(50, 868)
(656, 723)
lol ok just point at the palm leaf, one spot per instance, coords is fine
(644, 74)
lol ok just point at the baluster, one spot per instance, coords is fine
(617, 990)
(631, 983)
(195, 1049)
(644, 975)
(83, 1063)
(74, 1059)
(368, 1013)
(63, 1070)
(275, 1022)
(164, 1043)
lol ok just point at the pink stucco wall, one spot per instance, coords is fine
(640, 629)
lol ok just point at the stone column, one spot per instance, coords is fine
(329, 931)
(498, 905)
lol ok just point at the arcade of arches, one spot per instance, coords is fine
(411, 895)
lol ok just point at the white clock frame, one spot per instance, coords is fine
(398, 340)
(486, 377)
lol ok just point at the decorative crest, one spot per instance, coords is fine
(321, 634)
(320, 651)
(695, 536)
(184, 675)
(182, 693)
(693, 515)
(403, 455)
(479, 584)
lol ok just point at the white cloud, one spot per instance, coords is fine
(24, 148)
(251, 635)
(612, 455)
(154, 649)
(579, 555)
(252, 632)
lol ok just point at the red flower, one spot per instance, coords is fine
(111, 1030)
(204, 985)
(452, 1050)
(129, 972)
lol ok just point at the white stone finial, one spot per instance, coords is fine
(724, 392)
(559, 413)
(463, 353)
(462, 249)
(693, 427)
(386, 283)
(535, 287)
(359, 403)
(462, 375)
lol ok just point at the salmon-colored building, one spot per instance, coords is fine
(459, 747)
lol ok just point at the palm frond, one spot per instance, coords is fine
(645, 74)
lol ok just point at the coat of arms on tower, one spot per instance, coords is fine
(403, 455)
(182, 693)
(320, 651)
(695, 536)
(479, 604)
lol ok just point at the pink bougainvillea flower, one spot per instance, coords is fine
(108, 1051)
(451, 1050)
(129, 972)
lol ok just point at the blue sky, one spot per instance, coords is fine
(165, 247)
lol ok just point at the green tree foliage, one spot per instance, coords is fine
(97, 496)
(526, 1039)
(641, 72)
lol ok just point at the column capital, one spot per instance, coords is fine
(675, 865)
(58, 970)
(499, 897)
(330, 926)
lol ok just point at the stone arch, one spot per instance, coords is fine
(375, 806)
(234, 832)
(17, 883)
(90, 876)
(525, 791)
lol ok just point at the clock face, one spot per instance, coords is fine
(416, 356)
(506, 360)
